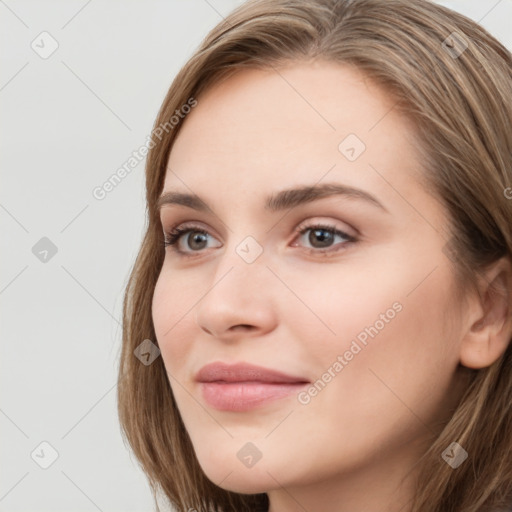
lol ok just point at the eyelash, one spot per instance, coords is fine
(172, 238)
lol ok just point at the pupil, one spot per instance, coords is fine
(323, 236)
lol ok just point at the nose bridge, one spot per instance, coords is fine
(237, 293)
(241, 267)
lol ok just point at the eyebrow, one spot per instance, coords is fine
(281, 201)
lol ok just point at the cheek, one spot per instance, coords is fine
(172, 312)
(330, 307)
(397, 325)
(407, 364)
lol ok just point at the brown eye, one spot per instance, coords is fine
(323, 237)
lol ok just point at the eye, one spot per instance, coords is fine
(197, 241)
(321, 238)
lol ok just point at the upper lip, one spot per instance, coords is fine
(244, 372)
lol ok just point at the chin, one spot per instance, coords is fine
(247, 483)
(235, 477)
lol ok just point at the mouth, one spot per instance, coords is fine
(242, 387)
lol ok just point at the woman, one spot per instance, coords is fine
(321, 307)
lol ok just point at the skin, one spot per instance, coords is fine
(354, 446)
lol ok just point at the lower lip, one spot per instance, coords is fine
(244, 396)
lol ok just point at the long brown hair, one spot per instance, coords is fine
(454, 81)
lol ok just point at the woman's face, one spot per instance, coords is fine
(358, 310)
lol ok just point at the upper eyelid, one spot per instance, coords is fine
(308, 222)
(190, 226)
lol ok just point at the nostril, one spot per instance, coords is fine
(243, 326)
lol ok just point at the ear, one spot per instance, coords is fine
(488, 326)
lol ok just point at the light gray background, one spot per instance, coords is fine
(68, 123)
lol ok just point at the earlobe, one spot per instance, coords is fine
(489, 322)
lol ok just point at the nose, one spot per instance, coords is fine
(238, 302)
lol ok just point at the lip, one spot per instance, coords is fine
(242, 386)
(244, 372)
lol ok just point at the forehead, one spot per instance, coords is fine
(270, 129)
